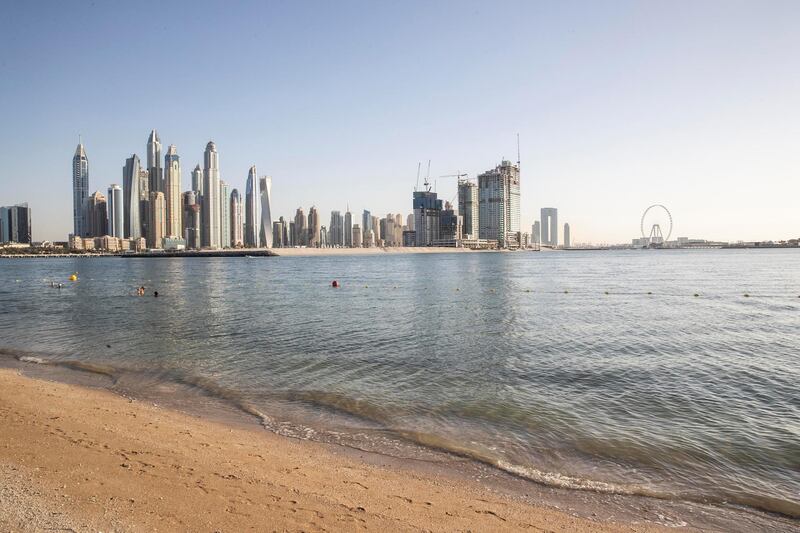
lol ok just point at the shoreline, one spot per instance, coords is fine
(83, 458)
(70, 408)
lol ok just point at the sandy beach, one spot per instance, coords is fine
(82, 459)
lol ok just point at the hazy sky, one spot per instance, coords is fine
(619, 105)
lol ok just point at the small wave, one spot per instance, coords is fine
(32, 359)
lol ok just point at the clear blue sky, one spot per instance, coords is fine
(694, 104)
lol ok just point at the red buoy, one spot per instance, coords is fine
(334, 284)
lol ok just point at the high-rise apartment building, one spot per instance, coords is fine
(265, 188)
(15, 224)
(211, 216)
(97, 215)
(314, 225)
(80, 190)
(300, 231)
(499, 197)
(158, 219)
(536, 232)
(252, 210)
(566, 235)
(155, 172)
(549, 222)
(366, 223)
(237, 220)
(197, 180)
(357, 242)
(336, 230)
(427, 212)
(131, 206)
(224, 215)
(116, 211)
(469, 208)
(348, 228)
(172, 192)
(191, 219)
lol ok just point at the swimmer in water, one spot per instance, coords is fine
(155, 293)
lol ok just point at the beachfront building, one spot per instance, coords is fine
(265, 186)
(356, 236)
(450, 227)
(97, 215)
(314, 225)
(566, 235)
(549, 228)
(158, 219)
(336, 231)
(116, 211)
(427, 212)
(191, 219)
(80, 190)
(237, 221)
(130, 190)
(252, 210)
(15, 224)
(499, 197)
(224, 214)
(210, 235)
(366, 224)
(469, 208)
(348, 228)
(300, 232)
(197, 180)
(172, 192)
(155, 172)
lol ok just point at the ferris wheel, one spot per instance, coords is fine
(655, 220)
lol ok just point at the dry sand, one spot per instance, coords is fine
(80, 459)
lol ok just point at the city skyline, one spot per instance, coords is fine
(694, 112)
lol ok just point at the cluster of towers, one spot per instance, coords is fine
(150, 205)
(545, 230)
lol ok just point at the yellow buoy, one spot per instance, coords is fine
(73, 277)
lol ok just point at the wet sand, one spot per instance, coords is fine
(82, 459)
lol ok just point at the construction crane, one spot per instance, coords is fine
(458, 175)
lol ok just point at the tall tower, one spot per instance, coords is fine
(210, 233)
(566, 235)
(348, 228)
(499, 196)
(224, 215)
(80, 191)
(265, 186)
(97, 215)
(549, 226)
(130, 190)
(237, 223)
(468, 207)
(252, 210)
(157, 223)
(172, 192)
(197, 180)
(156, 176)
(300, 232)
(314, 224)
(116, 212)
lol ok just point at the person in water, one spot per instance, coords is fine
(140, 291)
(155, 293)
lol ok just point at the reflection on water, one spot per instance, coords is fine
(595, 370)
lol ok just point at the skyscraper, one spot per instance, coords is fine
(356, 236)
(265, 187)
(536, 232)
(172, 193)
(97, 215)
(252, 210)
(469, 208)
(191, 219)
(566, 235)
(237, 221)
(210, 233)
(279, 233)
(348, 228)
(336, 231)
(224, 215)
(130, 189)
(80, 190)
(300, 232)
(366, 224)
(156, 173)
(427, 211)
(498, 195)
(116, 211)
(144, 201)
(314, 225)
(197, 180)
(549, 218)
(158, 219)
(15, 224)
